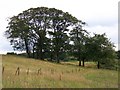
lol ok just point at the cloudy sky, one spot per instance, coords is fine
(100, 15)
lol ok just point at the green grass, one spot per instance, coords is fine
(64, 75)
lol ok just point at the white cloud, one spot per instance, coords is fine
(111, 31)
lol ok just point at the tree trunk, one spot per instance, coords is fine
(79, 62)
(51, 56)
(57, 51)
(98, 65)
(57, 58)
(27, 48)
(40, 46)
(37, 54)
(33, 52)
(41, 54)
(83, 62)
(58, 61)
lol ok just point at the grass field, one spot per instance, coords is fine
(52, 75)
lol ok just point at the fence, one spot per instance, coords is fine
(18, 71)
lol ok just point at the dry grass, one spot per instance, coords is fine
(52, 75)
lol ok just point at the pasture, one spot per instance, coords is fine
(35, 73)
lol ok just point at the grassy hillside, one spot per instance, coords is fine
(52, 75)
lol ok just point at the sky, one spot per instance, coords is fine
(100, 15)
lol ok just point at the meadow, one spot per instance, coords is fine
(43, 74)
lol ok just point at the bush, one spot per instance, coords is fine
(11, 53)
(110, 64)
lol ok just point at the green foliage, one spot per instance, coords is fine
(101, 50)
(109, 64)
(11, 53)
(49, 33)
(40, 31)
(79, 37)
(118, 54)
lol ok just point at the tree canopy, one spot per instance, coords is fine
(53, 34)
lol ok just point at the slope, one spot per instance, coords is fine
(43, 74)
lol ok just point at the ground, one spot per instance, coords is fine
(44, 74)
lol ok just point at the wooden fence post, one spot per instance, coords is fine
(52, 71)
(3, 69)
(62, 72)
(60, 77)
(17, 71)
(72, 70)
(39, 71)
(27, 71)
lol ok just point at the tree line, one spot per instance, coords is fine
(49, 33)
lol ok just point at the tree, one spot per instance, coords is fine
(60, 26)
(33, 27)
(118, 54)
(29, 29)
(101, 50)
(78, 37)
(51, 33)
(18, 32)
